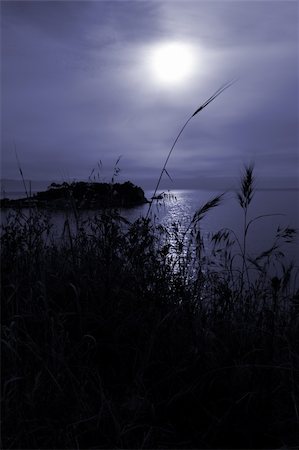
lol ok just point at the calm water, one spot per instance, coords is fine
(178, 206)
(182, 204)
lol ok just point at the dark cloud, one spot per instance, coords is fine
(77, 88)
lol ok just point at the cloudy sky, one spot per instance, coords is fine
(82, 82)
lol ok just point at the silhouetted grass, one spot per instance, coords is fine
(204, 105)
(135, 336)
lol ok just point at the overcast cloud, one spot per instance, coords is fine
(77, 88)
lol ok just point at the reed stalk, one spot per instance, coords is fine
(206, 103)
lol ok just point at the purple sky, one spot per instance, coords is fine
(77, 88)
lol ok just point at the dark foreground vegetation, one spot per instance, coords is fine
(135, 336)
(81, 195)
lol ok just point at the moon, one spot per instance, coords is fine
(172, 63)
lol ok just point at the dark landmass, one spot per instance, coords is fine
(82, 195)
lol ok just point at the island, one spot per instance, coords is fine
(82, 195)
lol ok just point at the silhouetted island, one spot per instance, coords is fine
(83, 195)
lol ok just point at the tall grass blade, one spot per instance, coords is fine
(168, 175)
(20, 170)
(218, 92)
(200, 213)
(210, 99)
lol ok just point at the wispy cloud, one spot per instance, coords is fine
(77, 87)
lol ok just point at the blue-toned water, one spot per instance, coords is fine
(280, 208)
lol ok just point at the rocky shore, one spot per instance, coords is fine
(82, 195)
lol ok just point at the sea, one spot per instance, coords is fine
(269, 211)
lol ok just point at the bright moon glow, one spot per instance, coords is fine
(172, 63)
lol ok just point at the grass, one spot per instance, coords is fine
(141, 336)
(138, 336)
(164, 170)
